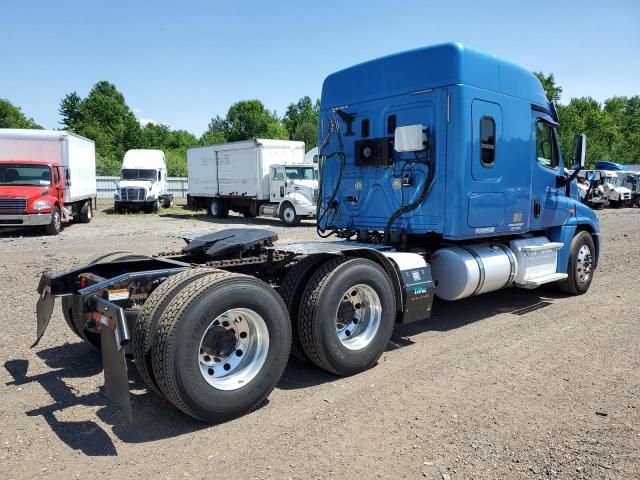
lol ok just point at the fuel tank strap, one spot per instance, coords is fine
(480, 263)
(512, 263)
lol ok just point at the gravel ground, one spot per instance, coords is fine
(478, 391)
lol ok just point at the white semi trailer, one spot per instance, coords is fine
(253, 177)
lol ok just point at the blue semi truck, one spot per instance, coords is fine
(441, 175)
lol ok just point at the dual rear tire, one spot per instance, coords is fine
(215, 343)
(208, 347)
(342, 312)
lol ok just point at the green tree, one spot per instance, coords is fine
(104, 117)
(12, 116)
(69, 111)
(216, 132)
(301, 121)
(548, 82)
(250, 119)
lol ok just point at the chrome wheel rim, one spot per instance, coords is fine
(585, 263)
(233, 349)
(89, 212)
(358, 317)
(289, 214)
(214, 209)
(56, 220)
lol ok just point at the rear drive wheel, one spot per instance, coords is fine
(86, 212)
(217, 209)
(637, 202)
(55, 227)
(147, 322)
(288, 215)
(291, 290)
(347, 315)
(222, 345)
(581, 265)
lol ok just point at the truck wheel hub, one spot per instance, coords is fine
(233, 349)
(358, 317)
(584, 263)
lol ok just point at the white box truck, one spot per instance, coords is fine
(47, 177)
(143, 182)
(253, 177)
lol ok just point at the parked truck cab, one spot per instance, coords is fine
(143, 182)
(47, 178)
(441, 175)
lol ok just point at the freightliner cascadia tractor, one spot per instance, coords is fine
(441, 174)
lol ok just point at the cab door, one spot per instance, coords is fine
(278, 180)
(60, 183)
(550, 206)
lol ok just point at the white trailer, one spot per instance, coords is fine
(253, 177)
(63, 162)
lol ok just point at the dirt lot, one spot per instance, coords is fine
(477, 392)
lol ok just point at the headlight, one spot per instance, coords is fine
(116, 195)
(151, 197)
(41, 205)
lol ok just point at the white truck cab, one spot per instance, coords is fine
(610, 189)
(617, 194)
(294, 191)
(143, 182)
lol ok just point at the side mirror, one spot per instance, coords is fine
(594, 176)
(579, 157)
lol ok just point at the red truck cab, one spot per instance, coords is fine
(31, 194)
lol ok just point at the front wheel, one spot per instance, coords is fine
(221, 346)
(581, 265)
(347, 314)
(288, 215)
(55, 226)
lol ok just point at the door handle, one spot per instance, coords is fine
(536, 208)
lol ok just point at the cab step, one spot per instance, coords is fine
(537, 281)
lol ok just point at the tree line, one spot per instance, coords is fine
(612, 127)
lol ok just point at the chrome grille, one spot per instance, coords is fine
(132, 194)
(13, 204)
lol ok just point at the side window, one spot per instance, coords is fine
(546, 145)
(487, 141)
(278, 173)
(56, 176)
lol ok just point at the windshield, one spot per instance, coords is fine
(139, 174)
(25, 174)
(301, 173)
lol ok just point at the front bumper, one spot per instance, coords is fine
(305, 210)
(25, 220)
(134, 205)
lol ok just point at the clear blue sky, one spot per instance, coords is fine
(181, 63)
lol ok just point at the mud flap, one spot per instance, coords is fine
(44, 309)
(114, 335)
(116, 378)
